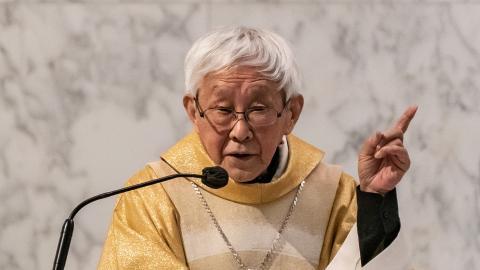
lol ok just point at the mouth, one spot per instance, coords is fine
(241, 156)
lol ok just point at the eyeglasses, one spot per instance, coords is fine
(224, 118)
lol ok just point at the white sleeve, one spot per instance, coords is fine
(395, 257)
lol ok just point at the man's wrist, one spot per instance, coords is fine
(370, 190)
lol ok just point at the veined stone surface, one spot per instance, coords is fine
(90, 91)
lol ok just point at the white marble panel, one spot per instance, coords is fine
(363, 64)
(90, 92)
(88, 95)
(341, 2)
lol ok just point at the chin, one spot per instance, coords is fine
(241, 171)
(241, 176)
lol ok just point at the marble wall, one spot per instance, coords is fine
(91, 90)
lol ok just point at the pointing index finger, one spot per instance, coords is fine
(406, 117)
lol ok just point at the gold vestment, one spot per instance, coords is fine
(165, 226)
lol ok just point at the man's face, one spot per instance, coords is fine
(244, 151)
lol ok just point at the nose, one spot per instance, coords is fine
(241, 130)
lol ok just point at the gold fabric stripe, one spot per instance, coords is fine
(145, 230)
(342, 217)
(189, 156)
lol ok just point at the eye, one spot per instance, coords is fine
(223, 110)
(258, 109)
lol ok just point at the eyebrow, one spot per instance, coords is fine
(254, 88)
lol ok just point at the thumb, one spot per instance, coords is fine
(370, 145)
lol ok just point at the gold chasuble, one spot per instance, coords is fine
(166, 226)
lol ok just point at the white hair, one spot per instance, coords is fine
(242, 46)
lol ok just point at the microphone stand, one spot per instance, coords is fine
(67, 229)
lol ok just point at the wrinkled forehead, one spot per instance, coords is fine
(246, 80)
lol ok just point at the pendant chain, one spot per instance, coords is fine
(276, 245)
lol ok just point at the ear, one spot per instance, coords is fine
(294, 111)
(191, 110)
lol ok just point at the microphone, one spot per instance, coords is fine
(213, 177)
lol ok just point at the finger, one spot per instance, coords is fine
(399, 152)
(370, 145)
(397, 142)
(398, 156)
(391, 134)
(405, 119)
(398, 130)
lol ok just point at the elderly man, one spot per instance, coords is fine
(283, 207)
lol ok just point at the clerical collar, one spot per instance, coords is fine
(189, 156)
(277, 165)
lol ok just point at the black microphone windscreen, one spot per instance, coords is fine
(214, 177)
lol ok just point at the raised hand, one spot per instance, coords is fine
(383, 159)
